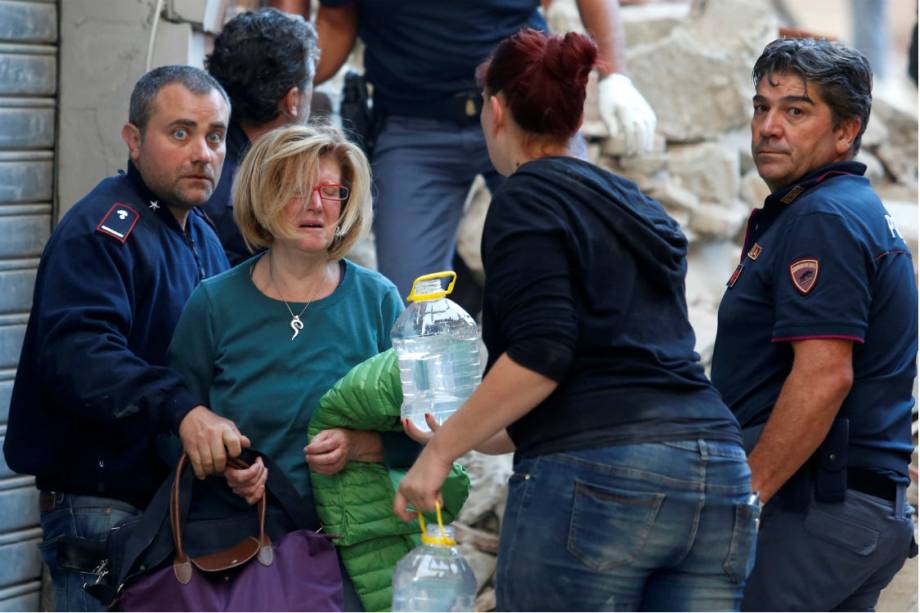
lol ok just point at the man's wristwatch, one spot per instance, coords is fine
(755, 501)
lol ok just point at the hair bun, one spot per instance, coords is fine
(581, 52)
(544, 79)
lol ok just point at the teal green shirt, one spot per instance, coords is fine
(233, 345)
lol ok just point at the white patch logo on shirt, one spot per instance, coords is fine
(893, 227)
(118, 222)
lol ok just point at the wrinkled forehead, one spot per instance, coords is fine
(783, 80)
(788, 84)
(175, 102)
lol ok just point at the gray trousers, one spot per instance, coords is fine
(423, 170)
(832, 557)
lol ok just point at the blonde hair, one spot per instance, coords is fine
(279, 166)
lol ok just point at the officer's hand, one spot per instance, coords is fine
(629, 118)
(248, 483)
(208, 439)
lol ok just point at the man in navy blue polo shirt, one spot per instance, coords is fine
(421, 58)
(817, 342)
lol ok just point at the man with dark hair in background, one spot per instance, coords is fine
(817, 343)
(265, 60)
(92, 390)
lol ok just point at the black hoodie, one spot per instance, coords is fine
(585, 285)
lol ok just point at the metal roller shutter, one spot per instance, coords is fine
(28, 85)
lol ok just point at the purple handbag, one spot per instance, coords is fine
(298, 573)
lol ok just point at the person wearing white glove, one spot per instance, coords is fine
(629, 119)
(421, 57)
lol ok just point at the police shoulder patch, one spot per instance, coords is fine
(804, 274)
(119, 221)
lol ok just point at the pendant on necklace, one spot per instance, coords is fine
(296, 326)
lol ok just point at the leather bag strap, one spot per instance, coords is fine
(232, 557)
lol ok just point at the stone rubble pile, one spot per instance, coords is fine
(692, 62)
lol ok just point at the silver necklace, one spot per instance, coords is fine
(296, 324)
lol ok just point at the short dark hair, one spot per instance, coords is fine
(149, 85)
(258, 57)
(843, 74)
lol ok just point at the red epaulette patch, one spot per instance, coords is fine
(804, 274)
(119, 221)
(734, 278)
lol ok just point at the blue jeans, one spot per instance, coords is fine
(835, 556)
(86, 517)
(647, 526)
(423, 170)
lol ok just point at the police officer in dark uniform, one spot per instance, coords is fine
(265, 60)
(92, 390)
(817, 342)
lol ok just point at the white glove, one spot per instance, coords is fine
(627, 115)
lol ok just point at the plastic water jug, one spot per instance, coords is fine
(434, 576)
(437, 346)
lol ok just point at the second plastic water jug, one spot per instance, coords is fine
(437, 345)
(434, 576)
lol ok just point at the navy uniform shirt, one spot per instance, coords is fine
(419, 51)
(823, 260)
(92, 390)
(219, 206)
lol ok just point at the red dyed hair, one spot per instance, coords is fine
(543, 79)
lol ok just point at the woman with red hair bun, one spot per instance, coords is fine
(631, 490)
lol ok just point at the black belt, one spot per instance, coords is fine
(461, 108)
(872, 483)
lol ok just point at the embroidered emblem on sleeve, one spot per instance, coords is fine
(119, 221)
(804, 274)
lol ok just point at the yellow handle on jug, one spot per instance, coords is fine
(435, 540)
(413, 297)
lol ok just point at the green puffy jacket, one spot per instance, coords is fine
(357, 503)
